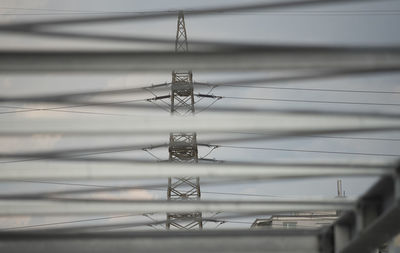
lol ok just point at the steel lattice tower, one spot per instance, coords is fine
(182, 98)
(183, 146)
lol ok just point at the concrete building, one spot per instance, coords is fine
(303, 220)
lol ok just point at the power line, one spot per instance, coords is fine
(254, 12)
(150, 188)
(71, 97)
(194, 12)
(120, 104)
(209, 106)
(311, 101)
(296, 13)
(242, 194)
(121, 225)
(76, 153)
(310, 89)
(61, 109)
(332, 137)
(65, 111)
(319, 13)
(67, 222)
(309, 151)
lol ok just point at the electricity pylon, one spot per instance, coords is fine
(182, 98)
(183, 146)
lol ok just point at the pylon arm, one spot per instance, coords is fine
(207, 96)
(208, 145)
(159, 97)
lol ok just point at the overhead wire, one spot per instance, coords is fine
(262, 170)
(94, 206)
(111, 226)
(152, 155)
(72, 96)
(77, 153)
(66, 222)
(208, 106)
(74, 154)
(121, 104)
(96, 188)
(254, 12)
(188, 12)
(270, 57)
(67, 98)
(396, 104)
(336, 137)
(59, 109)
(31, 27)
(309, 151)
(310, 89)
(310, 101)
(30, 109)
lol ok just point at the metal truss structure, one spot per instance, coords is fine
(183, 149)
(183, 146)
(182, 98)
(181, 95)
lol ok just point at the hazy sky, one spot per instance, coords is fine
(362, 24)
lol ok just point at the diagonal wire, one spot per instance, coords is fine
(90, 188)
(28, 26)
(74, 154)
(207, 107)
(66, 222)
(104, 227)
(211, 150)
(244, 109)
(335, 137)
(69, 97)
(310, 151)
(159, 106)
(70, 154)
(55, 109)
(312, 89)
(151, 154)
(311, 101)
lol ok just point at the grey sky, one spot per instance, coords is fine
(362, 24)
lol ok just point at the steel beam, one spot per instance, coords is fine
(375, 221)
(232, 60)
(299, 241)
(63, 206)
(221, 123)
(99, 170)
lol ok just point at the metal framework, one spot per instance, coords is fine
(183, 146)
(290, 58)
(159, 241)
(182, 98)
